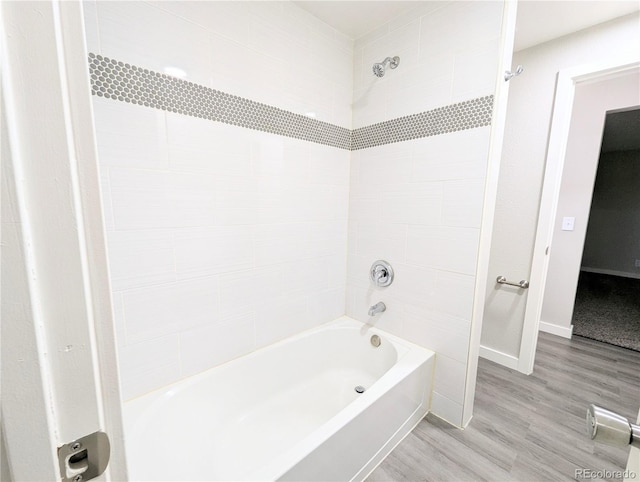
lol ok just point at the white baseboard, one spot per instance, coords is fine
(563, 331)
(499, 357)
(611, 272)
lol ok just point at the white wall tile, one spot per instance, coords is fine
(369, 104)
(434, 92)
(359, 70)
(327, 305)
(281, 317)
(140, 199)
(203, 251)
(148, 365)
(420, 201)
(477, 22)
(277, 243)
(301, 277)
(328, 165)
(136, 32)
(454, 156)
(454, 295)
(192, 197)
(385, 171)
(462, 203)
(241, 207)
(449, 380)
(224, 18)
(475, 71)
(155, 311)
(446, 408)
(199, 145)
(443, 247)
(382, 241)
(205, 347)
(415, 286)
(140, 258)
(248, 290)
(329, 238)
(426, 331)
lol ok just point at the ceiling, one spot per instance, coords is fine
(347, 16)
(537, 21)
(541, 21)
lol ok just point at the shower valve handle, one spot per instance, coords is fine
(381, 273)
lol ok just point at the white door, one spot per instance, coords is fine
(59, 371)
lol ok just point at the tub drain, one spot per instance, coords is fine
(359, 389)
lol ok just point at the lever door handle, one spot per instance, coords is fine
(611, 428)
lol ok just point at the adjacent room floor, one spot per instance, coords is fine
(608, 309)
(527, 428)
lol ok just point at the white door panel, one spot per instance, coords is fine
(59, 372)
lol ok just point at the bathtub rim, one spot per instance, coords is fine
(340, 322)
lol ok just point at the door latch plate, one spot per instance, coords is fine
(85, 458)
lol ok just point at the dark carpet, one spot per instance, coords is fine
(607, 309)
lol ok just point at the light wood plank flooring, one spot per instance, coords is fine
(527, 428)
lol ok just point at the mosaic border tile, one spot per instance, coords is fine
(124, 82)
(451, 118)
(128, 83)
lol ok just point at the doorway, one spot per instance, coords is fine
(593, 99)
(607, 305)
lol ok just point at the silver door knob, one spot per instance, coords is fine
(610, 428)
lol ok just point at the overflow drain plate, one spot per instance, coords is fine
(359, 389)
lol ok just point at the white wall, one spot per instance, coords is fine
(591, 103)
(611, 244)
(418, 203)
(526, 137)
(221, 239)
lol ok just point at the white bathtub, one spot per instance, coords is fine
(286, 412)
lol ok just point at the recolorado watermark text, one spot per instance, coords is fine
(582, 474)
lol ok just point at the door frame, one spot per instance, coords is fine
(59, 363)
(568, 79)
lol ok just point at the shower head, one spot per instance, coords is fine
(379, 68)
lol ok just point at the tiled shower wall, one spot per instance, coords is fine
(418, 203)
(221, 239)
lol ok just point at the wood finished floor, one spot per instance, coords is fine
(527, 428)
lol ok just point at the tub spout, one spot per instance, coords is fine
(377, 308)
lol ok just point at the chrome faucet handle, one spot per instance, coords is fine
(381, 273)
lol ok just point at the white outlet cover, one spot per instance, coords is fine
(567, 223)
